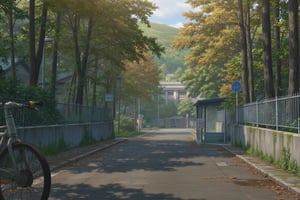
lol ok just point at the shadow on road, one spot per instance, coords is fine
(111, 191)
(144, 153)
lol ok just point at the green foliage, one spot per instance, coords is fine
(186, 106)
(285, 160)
(141, 80)
(164, 34)
(168, 110)
(172, 59)
(126, 124)
(260, 154)
(287, 163)
(293, 167)
(11, 90)
(204, 80)
(87, 139)
(54, 149)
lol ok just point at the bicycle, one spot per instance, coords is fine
(24, 171)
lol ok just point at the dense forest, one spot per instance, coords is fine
(94, 40)
(254, 42)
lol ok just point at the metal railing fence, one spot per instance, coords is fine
(61, 114)
(279, 113)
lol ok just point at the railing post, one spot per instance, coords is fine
(276, 110)
(298, 125)
(256, 105)
(298, 113)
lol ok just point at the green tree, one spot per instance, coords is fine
(140, 83)
(120, 36)
(211, 38)
(293, 87)
(36, 54)
(244, 50)
(168, 109)
(186, 106)
(268, 67)
(12, 13)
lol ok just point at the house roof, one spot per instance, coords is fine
(209, 101)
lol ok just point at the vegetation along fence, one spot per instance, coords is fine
(60, 114)
(279, 113)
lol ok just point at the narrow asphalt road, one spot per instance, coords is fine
(163, 165)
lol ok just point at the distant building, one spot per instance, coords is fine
(173, 91)
(22, 70)
(23, 75)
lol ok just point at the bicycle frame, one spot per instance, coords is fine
(9, 137)
(22, 165)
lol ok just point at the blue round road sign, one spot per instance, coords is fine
(236, 86)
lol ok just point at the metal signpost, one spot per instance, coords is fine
(236, 87)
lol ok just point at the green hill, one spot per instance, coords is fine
(172, 61)
(164, 34)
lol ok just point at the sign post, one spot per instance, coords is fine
(236, 87)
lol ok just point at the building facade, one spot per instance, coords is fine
(173, 91)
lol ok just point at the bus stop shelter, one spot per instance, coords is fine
(211, 120)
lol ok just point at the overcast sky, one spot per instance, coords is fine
(170, 12)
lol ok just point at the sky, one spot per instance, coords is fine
(170, 12)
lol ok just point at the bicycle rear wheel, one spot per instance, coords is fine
(31, 180)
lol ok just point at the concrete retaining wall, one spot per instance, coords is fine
(71, 134)
(266, 141)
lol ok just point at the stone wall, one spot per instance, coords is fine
(267, 141)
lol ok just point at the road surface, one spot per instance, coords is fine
(163, 165)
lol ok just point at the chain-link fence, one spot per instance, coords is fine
(279, 113)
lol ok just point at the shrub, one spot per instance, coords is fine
(126, 124)
(11, 90)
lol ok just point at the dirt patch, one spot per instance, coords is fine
(282, 192)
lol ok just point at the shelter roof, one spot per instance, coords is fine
(209, 101)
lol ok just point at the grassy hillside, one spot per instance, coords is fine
(172, 60)
(164, 34)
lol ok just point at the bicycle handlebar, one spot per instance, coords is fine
(33, 104)
(29, 104)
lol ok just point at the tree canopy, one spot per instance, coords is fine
(246, 40)
(92, 39)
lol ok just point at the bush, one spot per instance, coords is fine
(11, 90)
(126, 124)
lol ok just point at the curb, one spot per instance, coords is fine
(270, 175)
(76, 158)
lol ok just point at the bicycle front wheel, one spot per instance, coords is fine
(29, 179)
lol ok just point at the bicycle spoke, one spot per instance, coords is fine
(31, 177)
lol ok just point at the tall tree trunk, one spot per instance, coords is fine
(294, 48)
(71, 92)
(74, 22)
(268, 71)
(278, 49)
(94, 83)
(84, 63)
(36, 59)
(249, 53)
(245, 74)
(33, 64)
(12, 39)
(55, 55)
